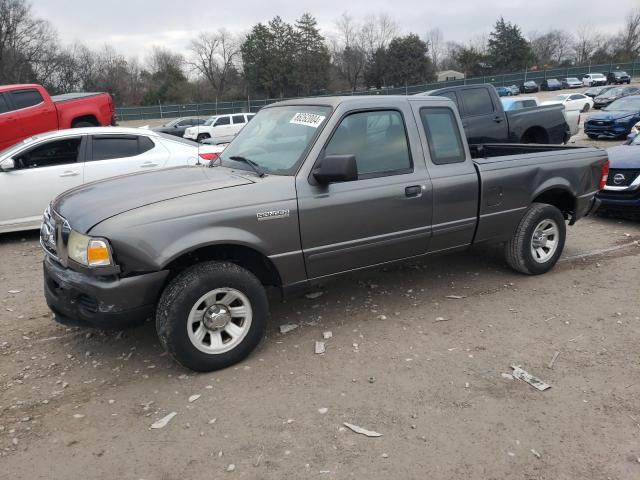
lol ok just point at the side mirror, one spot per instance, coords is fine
(336, 168)
(7, 164)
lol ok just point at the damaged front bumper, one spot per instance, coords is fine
(105, 302)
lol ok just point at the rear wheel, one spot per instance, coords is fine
(203, 136)
(538, 240)
(212, 315)
(84, 123)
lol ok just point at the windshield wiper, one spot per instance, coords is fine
(254, 166)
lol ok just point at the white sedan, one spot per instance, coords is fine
(36, 170)
(571, 101)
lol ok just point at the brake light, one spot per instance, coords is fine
(209, 156)
(604, 174)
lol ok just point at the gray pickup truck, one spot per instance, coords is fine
(308, 190)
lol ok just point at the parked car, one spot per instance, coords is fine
(485, 120)
(551, 84)
(616, 120)
(593, 79)
(220, 128)
(529, 87)
(515, 90)
(593, 92)
(503, 91)
(618, 77)
(296, 198)
(613, 94)
(571, 101)
(509, 104)
(177, 126)
(571, 82)
(37, 169)
(27, 110)
(622, 191)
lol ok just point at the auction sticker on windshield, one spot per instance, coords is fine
(307, 119)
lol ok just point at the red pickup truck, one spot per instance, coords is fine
(26, 110)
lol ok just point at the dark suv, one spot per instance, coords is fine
(618, 77)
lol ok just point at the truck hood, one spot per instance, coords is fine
(87, 205)
(624, 156)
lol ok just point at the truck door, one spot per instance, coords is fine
(34, 114)
(109, 155)
(483, 121)
(9, 130)
(454, 178)
(382, 216)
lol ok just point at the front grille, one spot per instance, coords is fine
(621, 177)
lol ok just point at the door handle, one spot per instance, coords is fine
(148, 165)
(497, 119)
(69, 173)
(413, 191)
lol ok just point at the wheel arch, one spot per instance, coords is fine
(560, 195)
(535, 132)
(85, 118)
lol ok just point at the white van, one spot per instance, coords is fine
(219, 128)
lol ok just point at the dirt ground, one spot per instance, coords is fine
(424, 370)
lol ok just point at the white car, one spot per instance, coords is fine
(219, 128)
(572, 101)
(36, 170)
(518, 103)
(593, 79)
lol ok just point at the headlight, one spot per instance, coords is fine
(91, 252)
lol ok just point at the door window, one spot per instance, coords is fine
(477, 101)
(108, 147)
(59, 152)
(222, 121)
(377, 139)
(4, 107)
(26, 98)
(443, 135)
(576, 97)
(238, 119)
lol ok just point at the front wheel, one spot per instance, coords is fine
(538, 240)
(212, 316)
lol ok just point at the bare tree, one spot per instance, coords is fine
(435, 43)
(587, 40)
(348, 52)
(214, 56)
(376, 32)
(551, 47)
(630, 36)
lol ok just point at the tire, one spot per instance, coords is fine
(591, 136)
(83, 124)
(184, 298)
(202, 136)
(519, 250)
(585, 108)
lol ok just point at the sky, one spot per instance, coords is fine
(133, 26)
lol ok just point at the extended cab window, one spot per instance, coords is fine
(378, 141)
(59, 152)
(238, 119)
(477, 101)
(443, 135)
(108, 147)
(26, 98)
(222, 121)
(4, 107)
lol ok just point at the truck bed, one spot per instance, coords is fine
(488, 151)
(65, 97)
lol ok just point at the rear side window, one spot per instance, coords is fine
(443, 135)
(378, 141)
(452, 96)
(477, 101)
(238, 119)
(106, 148)
(3, 104)
(26, 98)
(529, 103)
(222, 121)
(145, 144)
(58, 152)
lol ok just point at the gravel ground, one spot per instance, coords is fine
(427, 371)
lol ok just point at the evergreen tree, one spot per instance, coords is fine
(508, 49)
(408, 62)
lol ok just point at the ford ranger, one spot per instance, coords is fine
(26, 110)
(308, 190)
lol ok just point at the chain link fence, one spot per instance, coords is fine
(253, 105)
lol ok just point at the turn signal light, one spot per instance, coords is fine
(98, 253)
(604, 174)
(209, 156)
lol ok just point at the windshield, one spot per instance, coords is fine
(172, 122)
(210, 121)
(597, 75)
(573, 79)
(614, 92)
(627, 104)
(560, 98)
(276, 138)
(173, 138)
(620, 74)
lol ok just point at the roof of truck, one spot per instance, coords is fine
(356, 100)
